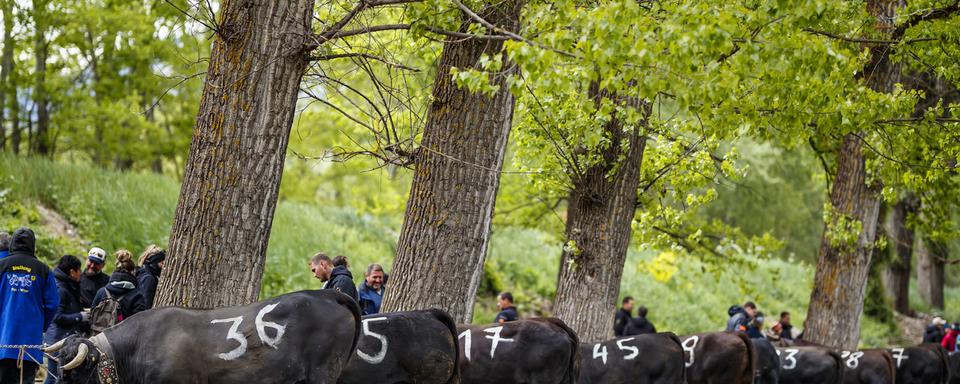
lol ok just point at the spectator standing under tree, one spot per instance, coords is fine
(371, 290)
(786, 328)
(93, 277)
(123, 289)
(28, 302)
(755, 327)
(507, 311)
(148, 276)
(623, 317)
(334, 273)
(70, 318)
(640, 325)
(949, 341)
(740, 316)
(4, 244)
(934, 332)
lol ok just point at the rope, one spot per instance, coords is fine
(23, 352)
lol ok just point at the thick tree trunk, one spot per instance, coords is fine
(6, 66)
(42, 140)
(900, 237)
(446, 227)
(599, 217)
(222, 222)
(930, 272)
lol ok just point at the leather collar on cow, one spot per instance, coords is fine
(106, 367)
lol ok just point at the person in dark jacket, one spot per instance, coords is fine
(334, 273)
(623, 317)
(740, 317)
(123, 288)
(70, 318)
(371, 290)
(93, 277)
(755, 327)
(148, 276)
(934, 332)
(28, 303)
(786, 328)
(639, 325)
(4, 244)
(507, 311)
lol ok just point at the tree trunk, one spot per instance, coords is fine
(6, 66)
(930, 271)
(900, 236)
(600, 213)
(223, 217)
(446, 228)
(14, 120)
(42, 140)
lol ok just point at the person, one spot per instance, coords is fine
(70, 318)
(640, 325)
(949, 341)
(755, 326)
(4, 244)
(740, 316)
(507, 311)
(28, 302)
(371, 290)
(623, 317)
(93, 277)
(334, 273)
(123, 288)
(786, 328)
(148, 276)
(934, 332)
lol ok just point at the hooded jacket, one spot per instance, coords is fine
(90, 283)
(739, 320)
(342, 280)
(123, 287)
(67, 321)
(148, 277)
(639, 326)
(28, 296)
(370, 299)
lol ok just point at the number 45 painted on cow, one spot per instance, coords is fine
(261, 326)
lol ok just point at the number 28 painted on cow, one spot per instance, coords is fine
(261, 326)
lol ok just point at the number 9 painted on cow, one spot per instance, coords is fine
(688, 346)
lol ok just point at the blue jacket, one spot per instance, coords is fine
(369, 299)
(28, 296)
(4, 254)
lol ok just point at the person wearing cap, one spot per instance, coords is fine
(934, 332)
(950, 339)
(148, 275)
(93, 278)
(4, 244)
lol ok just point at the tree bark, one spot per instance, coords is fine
(600, 213)
(6, 66)
(446, 227)
(900, 237)
(930, 271)
(42, 140)
(229, 193)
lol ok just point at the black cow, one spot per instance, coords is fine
(533, 351)
(810, 364)
(955, 368)
(923, 364)
(650, 358)
(405, 347)
(766, 361)
(718, 358)
(869, 366)
(302, 337)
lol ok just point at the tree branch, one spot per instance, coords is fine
(866, 41)
(512, 35)
(363, 56)
(932, 14)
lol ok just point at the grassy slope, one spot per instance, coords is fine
(116, 210)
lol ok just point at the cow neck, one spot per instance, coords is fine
(106, 367)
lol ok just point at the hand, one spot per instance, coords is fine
(85, 316)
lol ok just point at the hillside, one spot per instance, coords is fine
(131, 210)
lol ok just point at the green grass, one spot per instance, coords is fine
(684, 294)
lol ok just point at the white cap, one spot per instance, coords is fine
(97, 255)
(939, 321)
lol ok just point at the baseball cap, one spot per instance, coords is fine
(97, 255)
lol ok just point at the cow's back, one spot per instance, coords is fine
(718, 358)
(531, 351)
(869, 366)
(766, 362)
(810, 364)
(650, 358)
(927, 363)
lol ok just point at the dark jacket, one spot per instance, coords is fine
(786, 331)
(342, 280)
(620, 322)
(370, 299)
(123, 287)
(28, 296)
(507, 314)
(148, 277)
(67, 321)
(639, 326)
(90, 284)
(739, 319)
(933, 334)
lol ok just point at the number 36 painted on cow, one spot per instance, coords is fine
(261, 326)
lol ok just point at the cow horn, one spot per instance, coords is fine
(55, 347)
(81, 356)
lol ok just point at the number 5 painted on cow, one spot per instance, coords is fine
(378, 357)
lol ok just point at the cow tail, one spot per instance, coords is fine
(683, 366)
(892, 364)
(840, 367)
(945, 359)
(751, 357)
(573, 368)
(445, 318)
(351, 304)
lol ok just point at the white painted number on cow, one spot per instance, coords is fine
(235, 335)
(853, 358)
(465, 335)
(898, 354)
(688, 346)
(600, 350)
(791, 358)
(634, 351)
(232, 334)
(494, 334)
(378, 357)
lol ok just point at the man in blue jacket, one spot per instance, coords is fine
(28, 302)
(371, 290)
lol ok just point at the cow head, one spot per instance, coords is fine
(78, 360)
